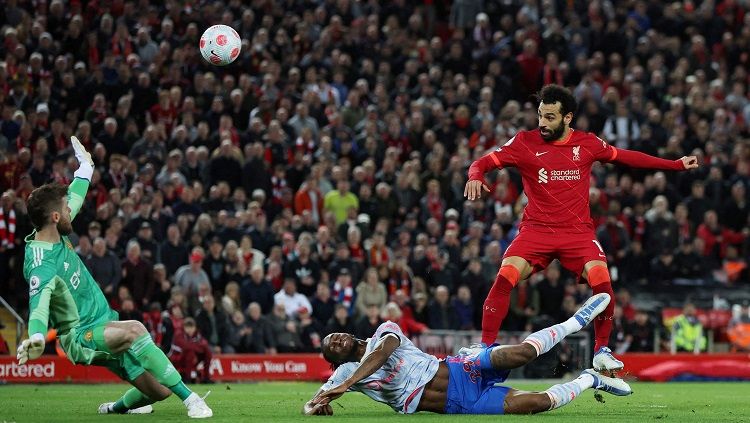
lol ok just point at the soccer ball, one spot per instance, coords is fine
(220, 45)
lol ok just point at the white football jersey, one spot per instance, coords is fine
(400, 381)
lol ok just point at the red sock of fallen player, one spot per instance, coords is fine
(497, 303)
(600, 282)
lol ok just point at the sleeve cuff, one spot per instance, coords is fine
(85, 171)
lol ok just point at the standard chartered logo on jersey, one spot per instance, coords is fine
(544, 176)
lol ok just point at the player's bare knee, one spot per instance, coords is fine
(137, 329)
(134, 331)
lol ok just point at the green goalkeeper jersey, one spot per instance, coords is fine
(62, 292)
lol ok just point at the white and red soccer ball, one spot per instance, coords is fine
(220, 45)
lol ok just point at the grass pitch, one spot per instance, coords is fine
(281, 402)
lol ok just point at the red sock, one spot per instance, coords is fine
(600, 282)
(497, 303)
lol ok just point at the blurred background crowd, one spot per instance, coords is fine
(316, 184)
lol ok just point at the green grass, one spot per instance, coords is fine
(281, 402)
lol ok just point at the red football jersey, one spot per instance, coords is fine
(555, 177)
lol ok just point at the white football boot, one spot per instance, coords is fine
(197, 407)
(611, 385)
(106, 409)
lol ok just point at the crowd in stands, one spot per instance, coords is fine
(316, 184)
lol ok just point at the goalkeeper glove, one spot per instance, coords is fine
(31, 348)
(86, 163)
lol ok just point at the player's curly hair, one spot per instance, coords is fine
(553, 93)
(43, 201)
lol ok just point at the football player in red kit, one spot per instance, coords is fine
(555, 163)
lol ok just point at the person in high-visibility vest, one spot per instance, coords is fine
(687, 331)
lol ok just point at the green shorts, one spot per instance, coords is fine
(87, 347)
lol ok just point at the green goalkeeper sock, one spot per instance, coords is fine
(152, 358)
(133, 398)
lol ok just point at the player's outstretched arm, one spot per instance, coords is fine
(476, 183)
(637, 159)
(368, 365)
(80, 185)
(39, 301)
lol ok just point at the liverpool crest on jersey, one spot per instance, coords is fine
(577, 153)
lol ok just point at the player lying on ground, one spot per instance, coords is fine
(555, 163)
(390, 369)
(63, 294)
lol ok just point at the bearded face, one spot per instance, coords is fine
(64, 225)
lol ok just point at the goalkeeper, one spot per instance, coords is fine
(62, 294)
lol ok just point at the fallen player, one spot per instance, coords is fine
(390, 369)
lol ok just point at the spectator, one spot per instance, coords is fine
(190, 276)
(618, 337)
(409, 326)
(309, 198)
(622, 129)
(736, 208)
(368, 322)
(304, 269)
(690, 264)
(640, 333)
(551, 291)
(145, 238)
(636, 265)
(442, 313)
(104, 267)
(138, 275)
(284, 329)
(129, 312)
(421, 311)
(370, 291)
(464, 306)
(524, 305)
(230, 302)
(717, 238)
(341, 321)
(240, 334)
(213, 324)
(173, 251)
(163, 286)
(214, 264)
(159, 326)
(293, 301)
(263, 338)
(311, 331)
(340, 200)
(343, 291)
(257, 290)
(662, 228)
(191, 354)
(663, 268)
(322, 304)
(687, 332)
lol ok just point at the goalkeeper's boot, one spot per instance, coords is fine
(592, 308)
(197, 407)
(106, 408)
(614, 386)
(604, 361)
